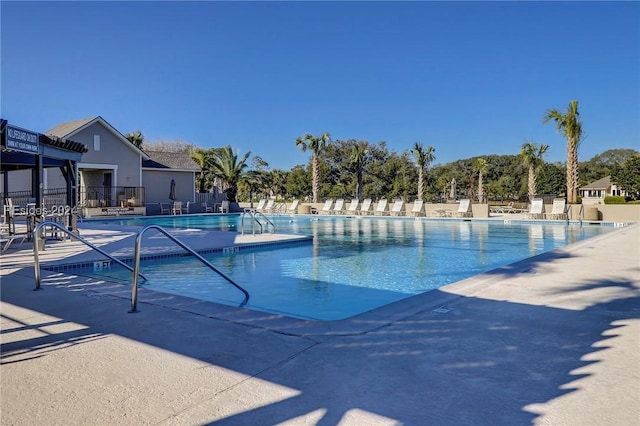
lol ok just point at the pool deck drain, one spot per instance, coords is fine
(560, 346)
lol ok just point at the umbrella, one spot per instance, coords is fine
(452, 193)
(172, 190)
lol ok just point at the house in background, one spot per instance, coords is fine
(159, 170)
(595, 192)
(110, 174)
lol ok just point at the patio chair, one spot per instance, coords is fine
(177, 207)
(165, 208)
(559, 210)
(293, 208)
(352, 208)
(338, 207)
(537, 209)
(224, 207)
(260, 205)
(268, 208)
(464, 209)
(398, 208)
(366, 206)
(381, 208)
(416, 210)
(326, 209)
(206, 208)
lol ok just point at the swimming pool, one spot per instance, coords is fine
(353, 265)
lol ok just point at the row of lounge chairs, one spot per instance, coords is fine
(396, 209)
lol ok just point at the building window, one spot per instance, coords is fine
(96, 142)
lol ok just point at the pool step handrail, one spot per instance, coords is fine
(136, 265)
(253, 213)
(36, 246)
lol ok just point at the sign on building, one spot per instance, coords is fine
(22, 140)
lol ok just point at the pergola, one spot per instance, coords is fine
(22, 149)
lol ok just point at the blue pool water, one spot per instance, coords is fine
(353, 265)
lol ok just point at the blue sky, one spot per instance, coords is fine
(469, 78)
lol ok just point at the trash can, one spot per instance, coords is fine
(591, 213)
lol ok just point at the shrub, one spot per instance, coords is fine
(614, 199)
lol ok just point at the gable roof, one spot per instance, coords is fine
(170, 160)
(603, 183)
(70, 128)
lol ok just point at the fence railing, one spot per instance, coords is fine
(112, 196)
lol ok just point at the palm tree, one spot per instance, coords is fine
(315, 144)
(200, 156)
(532, 156)
(570, 125)
(423, 158)
(480, 166)
(226, 166)
(358, 156)
(136, 138)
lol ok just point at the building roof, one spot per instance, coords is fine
(603, 183)
(70, 128)
(170, 160)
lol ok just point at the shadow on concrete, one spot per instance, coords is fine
(478, 362)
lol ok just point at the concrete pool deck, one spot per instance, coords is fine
(551, 340)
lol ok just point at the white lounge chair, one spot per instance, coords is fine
(268, 208)
(398, 208)
(352, 208)
(381, 208)
(559, 210)
(338, 207)
(326, 209)
(537, 209)
(224, 207)
(416, 210)
(464, 209)
(366, 206)
(177, 207)
(261, 204)
(293, 208)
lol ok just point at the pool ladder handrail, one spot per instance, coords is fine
(136, 265)
(253, 213)
(36, 245)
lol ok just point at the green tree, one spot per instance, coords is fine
(532, 155)
(226, 166)
(571, 127)
(136, 138)
(627, 176)
(358, 158)
(298, 183)
(201, 157)
(315, 144)
(551, 179)
(424, 157)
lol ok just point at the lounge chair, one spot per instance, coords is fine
(464, 209)
(559, 210)
(268, 208)
(416, 210)
(537, 209)
(326, 209)
(381, 208)
(338, 207)
(366, 206)
(293, 208)
(260, 205)
(352, 208)
(398, 208)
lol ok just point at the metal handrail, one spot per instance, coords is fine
(36, 245)
(253, 213)
(136, 265)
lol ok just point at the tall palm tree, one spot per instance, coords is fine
(480, 166)
(358, 156)
(136, 138)
(316, 145)
(532, 154)
(424, 157)
(226, 166)
(570, 125)
(201, 157)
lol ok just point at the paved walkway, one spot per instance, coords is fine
(553, 340)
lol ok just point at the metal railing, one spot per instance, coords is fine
(136, 265)
(37, 242)
(112, 196)
(253, 213)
